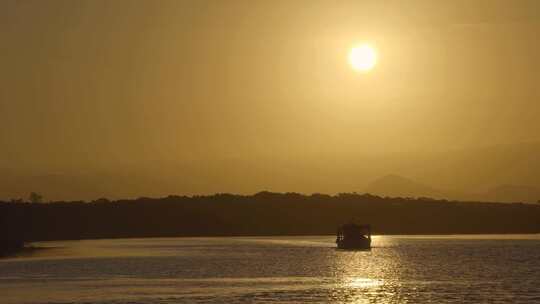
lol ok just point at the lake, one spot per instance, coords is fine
(398, 269)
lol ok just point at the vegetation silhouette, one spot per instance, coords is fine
(264, 213)
(35, 198)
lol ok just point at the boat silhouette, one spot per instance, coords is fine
(354, 236)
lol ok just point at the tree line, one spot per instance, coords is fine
(264, 213)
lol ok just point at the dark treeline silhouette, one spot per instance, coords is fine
(264, 213)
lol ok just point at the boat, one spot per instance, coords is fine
(354, 236)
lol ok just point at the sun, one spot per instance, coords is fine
(363, 57)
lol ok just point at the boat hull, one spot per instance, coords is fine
(354, 244)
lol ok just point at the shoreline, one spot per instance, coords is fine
(291, 235)
(27, 250)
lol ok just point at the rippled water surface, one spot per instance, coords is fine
(399, 269)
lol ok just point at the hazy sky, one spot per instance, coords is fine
(89, 84)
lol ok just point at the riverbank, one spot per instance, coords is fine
(11, 247)
(262, 214)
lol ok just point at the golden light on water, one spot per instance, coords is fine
(364, 283)
(363, 57)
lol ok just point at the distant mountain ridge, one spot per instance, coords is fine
(398, 186)
(479, 170)
(505, 173)
(513, 193)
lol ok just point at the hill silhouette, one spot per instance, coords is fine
(398, 186)
(479, 170)
(513, 193)
(467, 174)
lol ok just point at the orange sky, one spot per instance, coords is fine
(98, 84)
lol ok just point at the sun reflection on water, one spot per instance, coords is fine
(276, 270)
(368, 276)
(364, 283)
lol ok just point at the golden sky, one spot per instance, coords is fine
(88, 84)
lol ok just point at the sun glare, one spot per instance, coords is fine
(363, 57)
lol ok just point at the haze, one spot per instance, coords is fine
(151, 98)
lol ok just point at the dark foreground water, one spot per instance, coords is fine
(449, 269)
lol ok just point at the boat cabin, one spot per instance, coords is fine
(354, 236)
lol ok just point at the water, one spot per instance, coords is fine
(404, 269)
